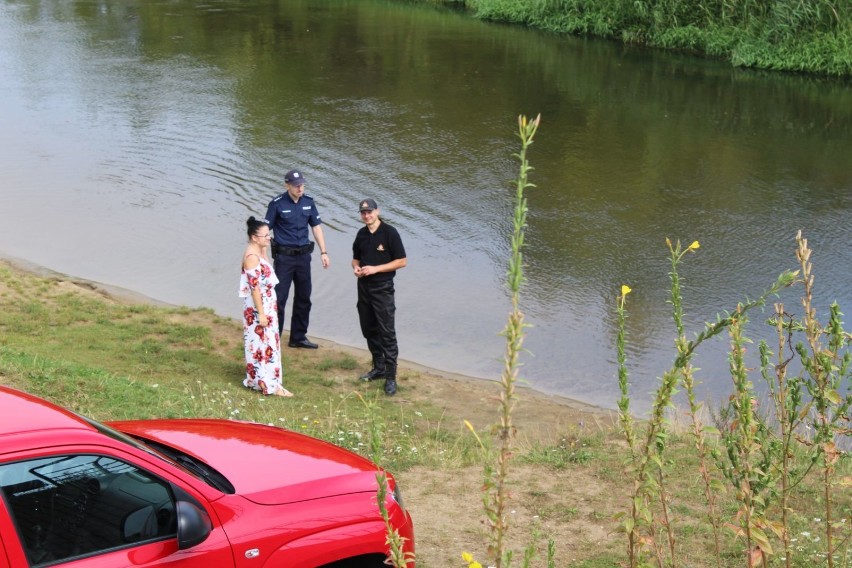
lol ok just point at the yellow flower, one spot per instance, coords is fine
(471, 563)
(625, 289)
(694, 246)
(473, 431)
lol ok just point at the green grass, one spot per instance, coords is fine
(116, 361)
(569, 451)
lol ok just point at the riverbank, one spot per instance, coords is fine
(458, 395)
(185, 362)
(809, 37)
(110, 354)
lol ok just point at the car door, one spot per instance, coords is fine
(99, 511)
(7, 532)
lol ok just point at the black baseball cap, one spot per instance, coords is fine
(368, 205)
(294, 177)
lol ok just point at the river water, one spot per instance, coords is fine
(137, 136)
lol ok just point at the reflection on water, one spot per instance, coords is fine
(139, 136)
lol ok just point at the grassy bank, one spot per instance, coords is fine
(71, 343)
(67, 341)
(811, 36)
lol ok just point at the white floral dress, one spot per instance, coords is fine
(262, 344)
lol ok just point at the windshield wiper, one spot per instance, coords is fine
(198, 468)
(201, 472)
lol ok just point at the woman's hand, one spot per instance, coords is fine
(264, 321)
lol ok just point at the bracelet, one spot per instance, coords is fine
(323, 252)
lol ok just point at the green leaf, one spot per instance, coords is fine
(833, 396)
(761, 539)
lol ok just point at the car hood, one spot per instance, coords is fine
(265, 464)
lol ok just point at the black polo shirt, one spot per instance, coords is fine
(381, 247)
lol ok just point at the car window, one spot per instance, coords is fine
(76, 505)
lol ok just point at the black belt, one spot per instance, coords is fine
(292, 251)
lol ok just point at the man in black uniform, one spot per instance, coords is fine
(289, 216)
(377, 254)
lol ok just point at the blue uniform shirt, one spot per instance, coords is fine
(289, 221)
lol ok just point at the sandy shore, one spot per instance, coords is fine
(537, 415)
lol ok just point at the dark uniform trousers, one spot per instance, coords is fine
(377, 312)
(295, 269)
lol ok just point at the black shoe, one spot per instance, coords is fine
(372, 375)
(304, 344)
(390, 387)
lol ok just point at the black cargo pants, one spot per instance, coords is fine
(377, 314)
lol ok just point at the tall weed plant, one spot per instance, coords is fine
(496, 498)
(762, 456)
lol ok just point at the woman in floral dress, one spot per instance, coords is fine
(260, 325)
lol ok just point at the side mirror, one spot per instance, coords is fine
(193, 525)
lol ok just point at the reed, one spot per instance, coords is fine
(698, 430)
(786, 398)
(397, 558)
(496, 492)
(495, 487)
(829, 370)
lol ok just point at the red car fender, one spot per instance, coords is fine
(337, 544)
(340, 543)
(299, 535)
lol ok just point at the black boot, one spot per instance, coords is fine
(378, 370)
(390, 380)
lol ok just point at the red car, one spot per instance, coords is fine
(183, 493)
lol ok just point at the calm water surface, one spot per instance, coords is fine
(136, 138)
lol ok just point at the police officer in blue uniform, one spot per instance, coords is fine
(377, 254)
(289, 215)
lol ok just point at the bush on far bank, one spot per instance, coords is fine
(809, 36)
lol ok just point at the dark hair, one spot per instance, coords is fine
(254, 224)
